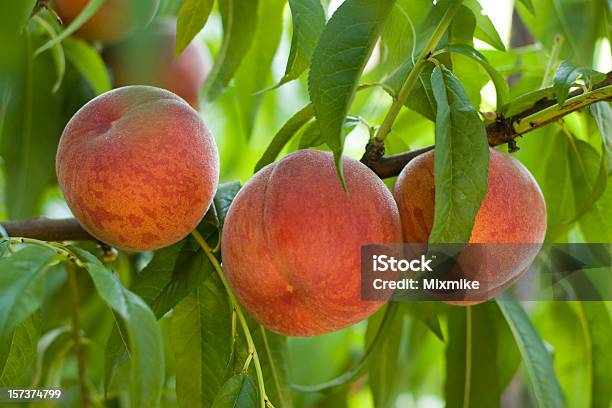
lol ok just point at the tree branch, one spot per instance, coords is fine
(502, 131)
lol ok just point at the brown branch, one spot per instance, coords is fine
(500, 132)
(45, 229)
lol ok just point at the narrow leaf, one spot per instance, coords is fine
(285, 134)
(460, 184)
(191, 19)
(88, 11)
(536, 358)
(308, 23)
(57, 51)
(88, 62)
(501, 86)
(146, 348)
(256, 66)
(239, 19)
(602, 113)
(337, 63)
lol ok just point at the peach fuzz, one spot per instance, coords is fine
(292, 237)
(512, 212)
(138, 168)
(114, 20)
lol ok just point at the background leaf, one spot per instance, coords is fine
(256, 66)
(18, 351)
(308, 23)
(192, 17)
(536, 358)
(239, 25)
(88, 62)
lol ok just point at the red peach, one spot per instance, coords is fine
(138, 167)
(292, 237)
(512, 212)
(114, 20)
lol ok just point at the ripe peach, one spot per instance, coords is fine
(148, 59)
(512, 212)
(138, 167)
(114, 20)
(292, 237)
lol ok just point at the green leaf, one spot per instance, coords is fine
(537, 360)
(202, 343)
(88, 62)
(238, 391)
(285, 133)
(22, 285)
(88, 11)
(567, 74)
(146, 348)
(239, 19)
(579, 22)
(57, 51)
(191, 19)
(256, 67)
(597, 328)
(18, 351)
(173, 272)
(485, 30)
(602, 113)
(308, 23)
(460, 184)
(481, 357)
(501, 86)
(338, 62)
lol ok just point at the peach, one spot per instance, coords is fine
(114, 20)
(292, 237)
(512, 215)
(148, 59)
(138, 167)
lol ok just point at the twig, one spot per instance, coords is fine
(46, 229)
